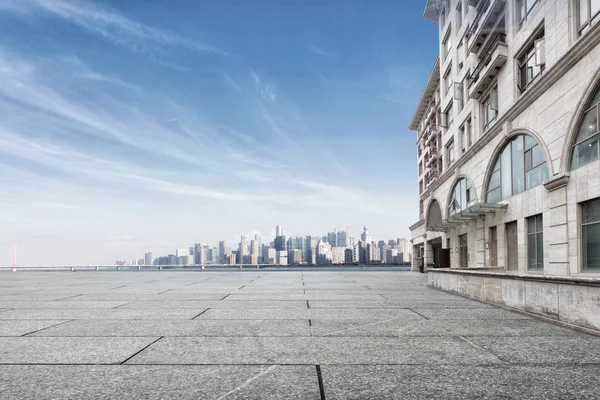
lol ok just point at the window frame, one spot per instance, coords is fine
(528, 53)
(538, 221)
(595, 137)
(487, 123)
(450, 156)
(590, 19)
(459, 15)
(526, 5)
(447, 44)
(582, 226)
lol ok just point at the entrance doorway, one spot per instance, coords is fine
(512, 247)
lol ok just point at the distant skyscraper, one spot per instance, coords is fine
(324, 256)
(348, 256)
(403, 246)
(365, 236)
(332, 238)
(381, 243)
(182, 252)
(148, 258)
(278, 231)
(242, 248)
(279, 243)
(342, 239)
(221, 257)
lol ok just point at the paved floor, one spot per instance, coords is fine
(276, 335)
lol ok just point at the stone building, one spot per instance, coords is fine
(508, 138)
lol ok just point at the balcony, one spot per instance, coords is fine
(489, 12)
(489, 64)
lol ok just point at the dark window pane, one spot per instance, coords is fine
(531, 252)
(531, 225)
(540, 250)
(528, 160)
(590, 211)
(495, 180)
(591, 246)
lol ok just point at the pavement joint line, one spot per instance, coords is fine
(224, 297)
(429, 318)
(48, 327)
(139, 351)
(68, 297)
(247, 382)
(491, 365)
(307, 304)
(168, 290)
(8, 309)
(118, 287)
(121, 305)
(200, 313)
(360, 326)
(481, 348)
(241, 287)
(320, 379)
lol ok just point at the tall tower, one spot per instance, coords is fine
(365, 236)
(278, 230)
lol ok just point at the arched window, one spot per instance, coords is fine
(462, 196)
(434, 214)
(520, 166)
(586, 148)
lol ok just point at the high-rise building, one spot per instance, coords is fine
(278, 231)
(324, 256)
(281, 257)
(348, 256)
(298, 243)
(365, 236)
(148, 258)
(182, 252)
(280, 244)
(332, 238)
(295, 257)
(221, 257)
(381, 243)
(342, 239)
(338, 255)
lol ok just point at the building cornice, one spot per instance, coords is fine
(429, 91)
(557, 182)
(416, 225)
(574, 55)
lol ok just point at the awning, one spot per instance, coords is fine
(471, 213)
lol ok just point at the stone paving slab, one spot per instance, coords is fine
(197, 327)
(175, 304)
(165, 295)
(160, 382)
(312, 313)
(476, 314)
(118, 313)
(308, 296)
(400, 382)
(25, 304)
(465, 304)
(577, 349)
(433, 328)
(60, 350)
(23, 327)
(312, 350)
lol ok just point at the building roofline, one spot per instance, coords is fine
(432, 9)
(428, 92)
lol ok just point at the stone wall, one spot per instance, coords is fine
(574, 300)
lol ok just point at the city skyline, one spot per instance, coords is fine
(131, 125)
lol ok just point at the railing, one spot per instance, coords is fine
(481, 10)
(485, 59)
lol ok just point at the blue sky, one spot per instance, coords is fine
(145, 125)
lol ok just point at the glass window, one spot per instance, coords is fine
(449, 116)
(459, 14)
(531, 64)
(490, 108)
(448, 80)
(524, 7)
(462, 196)
(589, 11)
(535, 243)
(520, 166)
(587, 146)
(450, 152)
(590, 213)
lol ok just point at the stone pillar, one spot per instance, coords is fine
(428, 257)
(556, 234)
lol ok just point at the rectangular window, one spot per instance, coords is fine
(447, 80)
(450, 152)
(420, 187)
(462, 139)
(590, 233)
(524, 7)
(535, 243)
(420, 167)
(589, 14)
(448, 116)
(459, 15)
(458, 96)
(532, 62)
(490, 108)
(469, 132)
(442, 17)
(460, 55)
(464, 252)
(447, 44)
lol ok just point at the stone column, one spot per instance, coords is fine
(556, 235)
(480, 243)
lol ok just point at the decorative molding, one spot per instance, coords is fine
(416, 225)
(557, 182)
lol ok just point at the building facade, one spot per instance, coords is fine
(508, 138)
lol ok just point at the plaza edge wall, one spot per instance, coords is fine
(571, 300)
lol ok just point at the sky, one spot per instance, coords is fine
(145, 125)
